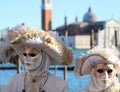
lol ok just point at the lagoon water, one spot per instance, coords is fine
(75, 84)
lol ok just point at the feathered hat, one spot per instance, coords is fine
(96, 55)
(40, 39)
(4, 45)
(7, 53)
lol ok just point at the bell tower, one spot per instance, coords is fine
(46, 15)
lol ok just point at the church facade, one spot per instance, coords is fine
(78, 33)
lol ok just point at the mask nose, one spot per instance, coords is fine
(27, 59)
(105, 75)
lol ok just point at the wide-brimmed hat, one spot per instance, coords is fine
(97, 55)
(40, 39)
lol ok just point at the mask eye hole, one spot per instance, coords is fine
(24, 54)
(29, 54)
(109, 71)
(32, 54)
(100, 71)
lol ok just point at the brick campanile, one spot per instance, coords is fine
(46, 15)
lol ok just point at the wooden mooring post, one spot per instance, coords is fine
(65, 72)
(55, 70)
(64, 69)
(116, 39)
(18, 66)
(91, 39)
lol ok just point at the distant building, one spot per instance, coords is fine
(79, 41)
(106, 37)
(79, 32)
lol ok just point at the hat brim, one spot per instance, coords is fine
(92, 60)
(58, 52)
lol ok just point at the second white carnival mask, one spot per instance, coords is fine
(104, 74)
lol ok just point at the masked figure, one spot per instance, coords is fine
(103, 65)
(38, 52)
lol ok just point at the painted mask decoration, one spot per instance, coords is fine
(104, 74)
(32, 57)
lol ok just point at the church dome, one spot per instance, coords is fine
(89, 16)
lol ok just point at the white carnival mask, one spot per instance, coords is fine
(32, 58)
(104, 74)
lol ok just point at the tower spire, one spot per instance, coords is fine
(46, 15)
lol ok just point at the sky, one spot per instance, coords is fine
(15, 12)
